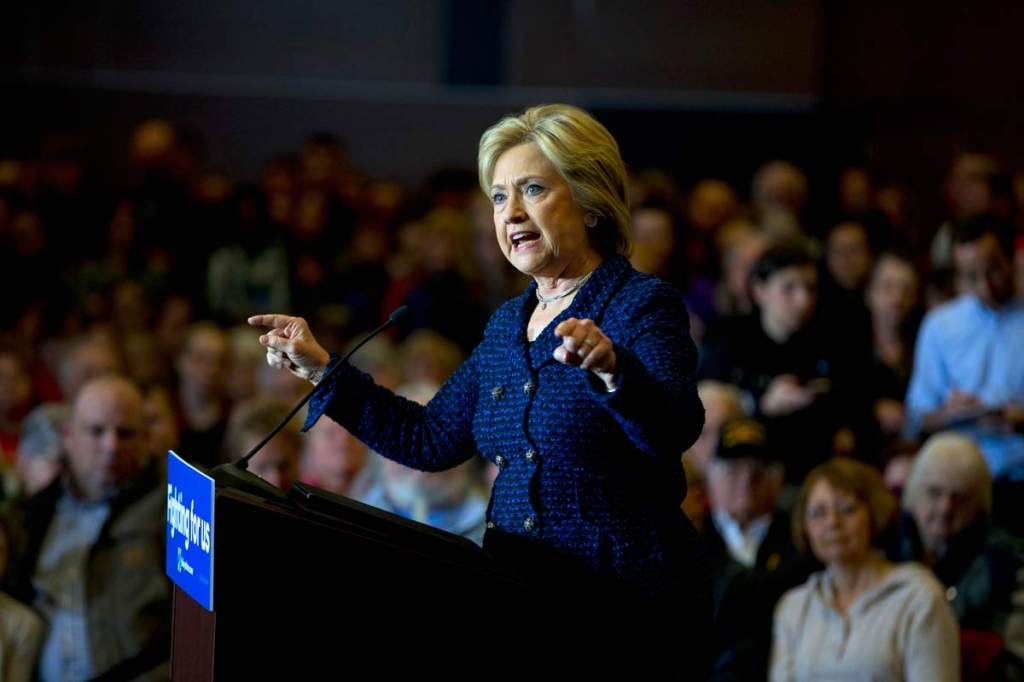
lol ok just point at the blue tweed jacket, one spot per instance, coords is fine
(589, 477)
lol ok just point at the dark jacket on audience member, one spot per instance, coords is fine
(747, 357)
(128, 593)
(983, 571)
(745, 597)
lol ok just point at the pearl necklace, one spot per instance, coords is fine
(544, 300)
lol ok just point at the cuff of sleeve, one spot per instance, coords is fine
(322, 394)
(623, 362)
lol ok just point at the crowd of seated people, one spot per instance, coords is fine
(831, 327)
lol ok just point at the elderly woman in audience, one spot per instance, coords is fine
(945, 525)
(863, 616)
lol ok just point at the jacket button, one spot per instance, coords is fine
(529, 523)
(530, 455)
(496, 392)
(490, 525)
(500, 461)
(528, 387)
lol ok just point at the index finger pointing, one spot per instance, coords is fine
(269, 320)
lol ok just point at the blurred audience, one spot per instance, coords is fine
(250, 423)
(722, 401)
(831, 350)
(794, 380)
(976, 184)
(245, 357)
(453, 500)
(968, 370)
(162, 420)
(863, 616)
(779, 195)
(335, 460)
(251, 270)
(660, 249)
(427, 356)
(380, 357)
(862, 198)
(88, 550)
(709, 204)
(84, 356)
(40, 454)
(895, 461)
(893, 298)
(739, 244)
(750, 550)
(945, 525)
(22, 628)
(844, 267)
(200, 392)
(441, 291)
(17, 397)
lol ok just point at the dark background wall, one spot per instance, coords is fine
(693, 87)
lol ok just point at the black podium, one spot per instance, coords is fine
(314, 585)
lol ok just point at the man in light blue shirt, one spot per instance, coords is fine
(969, 359)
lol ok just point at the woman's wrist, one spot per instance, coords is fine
(318, 375)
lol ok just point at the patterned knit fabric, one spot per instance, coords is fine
(589, 477)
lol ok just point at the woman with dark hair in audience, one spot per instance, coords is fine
(779, 355)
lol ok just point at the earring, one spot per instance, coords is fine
(590, 219)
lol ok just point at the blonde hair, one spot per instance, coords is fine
(586, 156)
(727, 395)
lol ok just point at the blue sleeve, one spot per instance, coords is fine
(656, 403)
(431, 437)
(929, 382)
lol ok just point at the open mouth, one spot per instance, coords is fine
(522, 239)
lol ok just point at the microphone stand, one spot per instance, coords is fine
(236, 474)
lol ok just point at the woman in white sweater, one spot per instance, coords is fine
(862, 617)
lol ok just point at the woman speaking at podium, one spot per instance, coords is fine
(582, 392)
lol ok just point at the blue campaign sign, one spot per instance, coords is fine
(190, 529)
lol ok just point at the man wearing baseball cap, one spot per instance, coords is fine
(749, 546)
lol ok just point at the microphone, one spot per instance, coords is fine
(236, 475)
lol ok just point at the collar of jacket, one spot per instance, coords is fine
(589, 302)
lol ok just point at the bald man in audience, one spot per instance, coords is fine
(89, 548)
